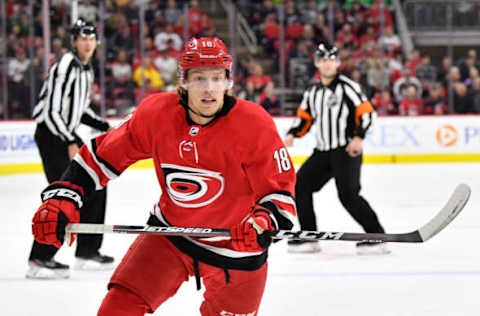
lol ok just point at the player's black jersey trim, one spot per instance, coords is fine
(201, 254)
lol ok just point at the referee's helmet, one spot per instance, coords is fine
(326, 51)
(82, 28)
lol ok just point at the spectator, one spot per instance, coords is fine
(466, 64)
(172, 51)
(269, 101)
(454, 75)
(375, 12)
(320, 28)
(414, 60)
(406, 79)
(123, 39)
(167, 66)
(436, 102)
(258, 79)
(122, 70)
(475, 95)
(62, 35)
(267, 8)
(461, 99)
(194, 18)
(356, 14)
(292, 15)
(147, 48)
(370, 35)
(58, 50)
(87, 11)
(384, 104)
(17, 67)
(395, 64)
(151, 75)
(308, 37)
(411, 104)
(377, 76)
(208, 30)
(444, 70)
(248, 93)
(332, 6)
(389, 41)
(347, 38)
(309, 14)
(172, 13)
(162, 38)
(426, 72)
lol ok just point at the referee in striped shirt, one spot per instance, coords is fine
(64, 103)
(340, 114)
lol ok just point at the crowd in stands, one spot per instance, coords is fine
(370, 52)
(129, 73)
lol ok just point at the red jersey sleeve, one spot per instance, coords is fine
(271, 175)
(104, 158)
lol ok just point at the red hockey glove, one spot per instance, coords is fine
(253, 234)
(61, 201)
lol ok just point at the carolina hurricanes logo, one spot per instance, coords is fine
(192, 187)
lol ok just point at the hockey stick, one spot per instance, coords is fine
(453, 207)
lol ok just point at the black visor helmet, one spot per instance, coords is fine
(83, 28)
(326, 51)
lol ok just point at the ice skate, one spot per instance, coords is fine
(47, 270)
(97, 262)
(366, 248)
(300, 246)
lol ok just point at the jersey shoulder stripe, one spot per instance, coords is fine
(354, 85)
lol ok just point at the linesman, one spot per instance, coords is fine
(64, 103)
(340, 114)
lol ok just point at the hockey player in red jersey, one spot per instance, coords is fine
(220, 163)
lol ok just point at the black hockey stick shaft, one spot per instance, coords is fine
(453, 207)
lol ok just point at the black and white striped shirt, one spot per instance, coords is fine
(64, 99)
(337, 112)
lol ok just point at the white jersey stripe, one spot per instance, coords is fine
(332, 110)
(93, 175)
(110, 175)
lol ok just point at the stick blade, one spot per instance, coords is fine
(453, 207)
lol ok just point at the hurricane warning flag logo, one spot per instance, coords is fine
(192, 187)
(447, 135)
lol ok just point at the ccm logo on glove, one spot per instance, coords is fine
(61, 201)
(65, 194)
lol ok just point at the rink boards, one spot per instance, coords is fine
(392, 140)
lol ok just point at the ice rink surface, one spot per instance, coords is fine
(438, 278)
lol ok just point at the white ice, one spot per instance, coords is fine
(438, 278)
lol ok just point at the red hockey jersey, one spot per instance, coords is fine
(211, 176)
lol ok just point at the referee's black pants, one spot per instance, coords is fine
(55, 160)
(319, 168)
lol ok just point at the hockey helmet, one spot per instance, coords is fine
(205, 52)
(83, 28)
(326, 51)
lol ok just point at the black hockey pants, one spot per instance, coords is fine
(54, 154)
(319, 168)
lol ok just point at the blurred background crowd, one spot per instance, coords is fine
(404, 53)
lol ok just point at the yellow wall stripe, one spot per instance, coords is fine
(8, 169)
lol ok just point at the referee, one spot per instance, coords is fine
(341, 115)
(64, 103)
